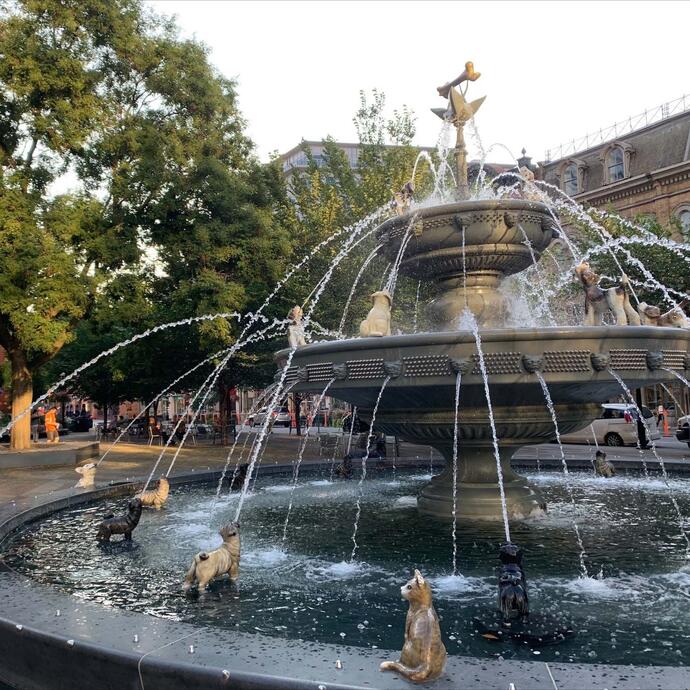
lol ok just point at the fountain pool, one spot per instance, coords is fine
(629, 613)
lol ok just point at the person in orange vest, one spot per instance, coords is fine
(52, 425)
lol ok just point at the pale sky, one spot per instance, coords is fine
(551, 71)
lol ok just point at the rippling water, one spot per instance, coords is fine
(634, 611)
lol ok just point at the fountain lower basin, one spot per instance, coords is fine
(418, 403)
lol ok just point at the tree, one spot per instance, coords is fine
(330, 195)
(109, 124)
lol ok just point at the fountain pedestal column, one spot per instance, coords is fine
(478, 496)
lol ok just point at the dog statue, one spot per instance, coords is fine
(602, 466)
(378, 321)
(155, 498)
(423, 655)
(402, 200)
(124, 524)
(209, 564)
(652, 316)
(344, 469)
(512, 585)
(598, 301)
(237, 480)
(296, 336)
(88, 476)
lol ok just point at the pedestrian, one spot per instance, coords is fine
(52, 425)
(660, 413)
(35, 421)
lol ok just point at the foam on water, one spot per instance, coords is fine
(448, 585)
(420, 477)
(405, 502)
(343, 570)
(278, 488)
(263, 558)
(321, 482)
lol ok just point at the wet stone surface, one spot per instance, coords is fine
(628, 612)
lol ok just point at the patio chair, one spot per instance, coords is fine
(153, 436)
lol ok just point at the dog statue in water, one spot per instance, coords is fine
(602, 466)
(344, 469)
(378, 321)
(512, 586)
(237, 480)
(88, 476)
(123, 524)
(599, 301)
(423, 655)
(209, 564)
(155, 498)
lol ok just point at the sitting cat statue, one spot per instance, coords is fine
(602, 466)
(423, 655)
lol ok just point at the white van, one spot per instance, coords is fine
(614, 427)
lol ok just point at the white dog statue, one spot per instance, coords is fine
(598, 301)
(378, 321)
(88, 475)
(296, 329)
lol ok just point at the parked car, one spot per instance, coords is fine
(80, 423)
(281, 417)
(616, 426)
(683, 430)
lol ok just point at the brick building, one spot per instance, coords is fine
(639, 166)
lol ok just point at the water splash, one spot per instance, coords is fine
(300, 455)
(363, 268)
(365, 457)
(659, 459)
(469, 317)
(416, 307)
(454, 563)
(568, 486)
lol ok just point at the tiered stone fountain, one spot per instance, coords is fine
(466, 248)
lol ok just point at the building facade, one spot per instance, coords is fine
(637, 170)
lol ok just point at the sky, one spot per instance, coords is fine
(551, 71)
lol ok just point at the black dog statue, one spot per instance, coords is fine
(237, 481)
(123, 524)
(344, 469)
(512, 586)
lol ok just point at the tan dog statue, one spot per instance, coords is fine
(88, 476)
(155, 498)
(652, 316)
(378, 321)
(602, 466)
(598, 301)
(402, 200)
(224, 559)
(296, 329)
(423, 655)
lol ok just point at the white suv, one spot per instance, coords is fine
(614, 427)
(683, 430)
(281, 417)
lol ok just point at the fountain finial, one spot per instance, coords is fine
(459, 112)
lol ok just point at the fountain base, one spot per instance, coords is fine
(478, 495)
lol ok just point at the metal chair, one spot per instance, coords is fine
(153, 436)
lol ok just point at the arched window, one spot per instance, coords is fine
(683, 216)
(615, 164)
(570, 186)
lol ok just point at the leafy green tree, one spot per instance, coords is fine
(111, 126)
(330, 195)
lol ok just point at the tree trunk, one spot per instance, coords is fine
(297, 405)
(105, 416)
(22, 397)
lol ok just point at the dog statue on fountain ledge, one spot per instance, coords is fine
(598, 301)
(652, 316)
(155, 498)
(88, 476)
(378, 321)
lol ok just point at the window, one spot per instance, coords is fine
(615, 164)
(570, 180)
(684, 218)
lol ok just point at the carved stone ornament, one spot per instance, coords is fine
(532, 363)
(600, 361)
(393, 369)
(340, 371)
(655, 360)
(510, 218)
(461, 366)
